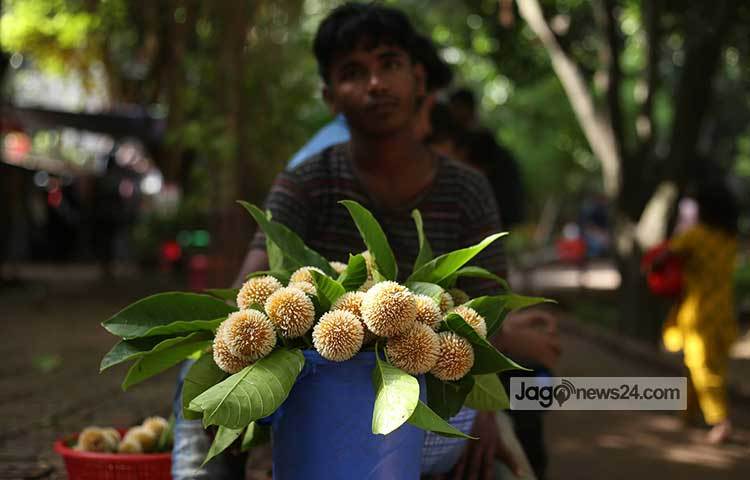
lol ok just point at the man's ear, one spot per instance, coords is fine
(328, 98)
(421, 78)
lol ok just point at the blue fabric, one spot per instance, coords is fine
(336, 131)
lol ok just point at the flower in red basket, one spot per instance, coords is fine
(291, 311)
(416, 351)
(389, 309)
(455, 359)
(95, 439)
(338, 335)
(145, 437)
(155, 424)
(130, 445)
(257, 290)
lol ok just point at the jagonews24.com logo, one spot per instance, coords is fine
(546, 394)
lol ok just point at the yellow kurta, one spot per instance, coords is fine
(705, 325)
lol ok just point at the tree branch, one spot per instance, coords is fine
(605, 14)
(597, 130)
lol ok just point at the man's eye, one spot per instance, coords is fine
(392, 64)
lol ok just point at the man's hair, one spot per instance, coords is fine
(348, 25)
(438, 74)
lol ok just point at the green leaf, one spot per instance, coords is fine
(375, 239)
(488, 394)
(355, 274)
(226, 294)
(475, 272)
(126, 350)
(432, 290)
(447, 398)
(486, 357)
(424, 418)
(223, 439)
(396, 397)
(295, 251)
(276, 259)
(255, 435)
(167, 314)
(167, 436)
(203, 374)
(437, 270)
(425, 251)
(495, 308)
(254, 392)
(158, 361)
(328, 289)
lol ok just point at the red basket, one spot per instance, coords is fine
(113, 466)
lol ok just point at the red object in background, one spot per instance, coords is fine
(198, 273)
(667, 280)
(171, 251)
(114, 466)
(571, 250)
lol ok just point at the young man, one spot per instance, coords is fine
(366, 55)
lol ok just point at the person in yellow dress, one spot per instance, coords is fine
(704, 324)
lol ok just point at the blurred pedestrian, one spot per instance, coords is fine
(705, 326)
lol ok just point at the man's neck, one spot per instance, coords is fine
(393, 169)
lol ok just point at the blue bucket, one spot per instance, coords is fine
(324, 428)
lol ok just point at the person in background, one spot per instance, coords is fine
(438, 76)
(705, 325)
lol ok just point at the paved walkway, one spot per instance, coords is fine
(49, 385)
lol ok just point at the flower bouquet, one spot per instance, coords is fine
(357, 350)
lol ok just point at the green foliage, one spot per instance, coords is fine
(488, 394)
(425, 250)
(424, 418)
(474, 272)
(254, 392)
(375, 239)
(430, 289)
(295, 251)
(328, 289)
(166, 314)
(447, 398)
(486, 357)
(396, 397)
(442, 267)
(226, 294)
(203, 374)
(255, 435)
(355, 274)
(131, 349)
(494, 308)
(159, 360)
(223, 439)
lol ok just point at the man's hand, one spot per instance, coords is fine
(531, 334)
(478, 460)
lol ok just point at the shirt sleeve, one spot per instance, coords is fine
(289, 205)
(483, 220)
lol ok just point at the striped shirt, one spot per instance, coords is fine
(458, 209)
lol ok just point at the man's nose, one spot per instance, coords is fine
(377, 82)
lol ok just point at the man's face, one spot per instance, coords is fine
(375, 88)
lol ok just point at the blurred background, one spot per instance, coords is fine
(129, 128)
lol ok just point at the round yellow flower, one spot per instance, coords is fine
(446, 301)
(368, 284)
(248, 334)
(291, 311)
(350, 302)
(416, 351)
(156, 425)
(472, 318)
(129, 445)
(257, 290)
(306, 287)
(303, 275)
(224, 358)
(389, 309)
(428, 311)
(338, 335)
(143, 436)
(95, 439)
(338, 267)
(455, 359)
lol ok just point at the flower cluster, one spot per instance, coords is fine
(408, 322)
